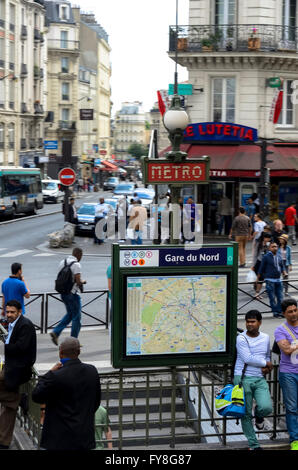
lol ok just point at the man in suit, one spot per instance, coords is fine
(71, 394)
(20, 355)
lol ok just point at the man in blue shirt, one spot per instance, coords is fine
(14, 288)
(271, 268)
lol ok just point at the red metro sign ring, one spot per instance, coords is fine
(67, 176)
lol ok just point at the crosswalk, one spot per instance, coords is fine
(6, 253)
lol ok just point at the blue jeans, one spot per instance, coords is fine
(72, 303)
(138, 238)
(275, 293)
(289, 386)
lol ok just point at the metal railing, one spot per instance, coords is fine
(236, 37)
(63, 44)
(41, 309)
(169, 406)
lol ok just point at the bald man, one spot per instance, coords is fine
(71, 393)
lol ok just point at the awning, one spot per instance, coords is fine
(108, 166)
(244, 160)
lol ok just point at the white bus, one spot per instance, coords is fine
(20, 190)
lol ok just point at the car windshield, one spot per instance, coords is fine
(112, 180)
(49, 185)
(111, 202)
(87, 210)
(124, 187)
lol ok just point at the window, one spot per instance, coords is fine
(65, 114)
(63, 39)
(223, 99)
(65, 91)
(65, 64)
(64, 12)
(289, 20)
(225, 12)
(11, 135)
(2, 134)
(286, 117)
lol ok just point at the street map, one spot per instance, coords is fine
(176, 314)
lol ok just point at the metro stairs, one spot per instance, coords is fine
(150, 417)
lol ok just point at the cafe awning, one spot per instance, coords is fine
(108, 166)
(245, 160)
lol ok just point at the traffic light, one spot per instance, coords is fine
(264, 154)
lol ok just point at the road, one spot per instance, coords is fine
(25, 241)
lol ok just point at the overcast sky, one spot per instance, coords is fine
(139, 37)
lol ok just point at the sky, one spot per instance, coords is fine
(139, 37)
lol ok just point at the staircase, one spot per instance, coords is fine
(143, 415)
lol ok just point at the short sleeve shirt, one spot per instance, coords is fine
(290, 214)
(14, 289)
(281, 333)
(75, 269)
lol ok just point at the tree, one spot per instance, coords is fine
(137, 150)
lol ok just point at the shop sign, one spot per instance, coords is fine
(86, 114)
(219, 132)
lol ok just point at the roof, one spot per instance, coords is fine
(52, 12)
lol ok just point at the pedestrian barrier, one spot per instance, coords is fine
(43, 309)
(258, 301)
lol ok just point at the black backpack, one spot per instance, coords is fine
(64, 282)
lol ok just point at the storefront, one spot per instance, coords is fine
(235, 161)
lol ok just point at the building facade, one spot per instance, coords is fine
(236, 53)
(129, 128)
(63, 53)
(23, 68)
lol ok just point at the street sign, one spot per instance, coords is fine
(274, 82)
(50, 144)
(183, 89)
(67, 176)
(174, 305)
(86, 114)
(166, 172)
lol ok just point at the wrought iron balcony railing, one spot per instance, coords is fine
(238, 38)
(63, 44)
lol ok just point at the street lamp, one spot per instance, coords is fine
(176, 121)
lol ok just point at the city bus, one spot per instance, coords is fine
(20, 190)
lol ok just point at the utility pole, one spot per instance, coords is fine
(264, 186)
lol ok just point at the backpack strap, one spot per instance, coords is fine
(289, 331)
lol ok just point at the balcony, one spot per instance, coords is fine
(67, 125)
(72, 46)
(233, 38)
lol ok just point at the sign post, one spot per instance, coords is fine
(173, 306)
(67, 177)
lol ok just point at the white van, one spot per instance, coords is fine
(51, 190)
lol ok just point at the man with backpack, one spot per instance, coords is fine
(69, 284)
(253, 349)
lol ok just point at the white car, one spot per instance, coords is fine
(51, 190)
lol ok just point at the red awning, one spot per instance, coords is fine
(109, 166)
(244, 160)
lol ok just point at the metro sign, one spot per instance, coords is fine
(166, 172)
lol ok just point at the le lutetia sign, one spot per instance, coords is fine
(173, 306)
(220, 132)
(164, 171)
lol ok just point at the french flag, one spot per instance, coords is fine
(278, 107)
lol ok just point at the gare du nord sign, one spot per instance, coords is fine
(196, 171)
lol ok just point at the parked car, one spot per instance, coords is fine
(51, 191)
(86, 216)
(111, 183)
(124, 189)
